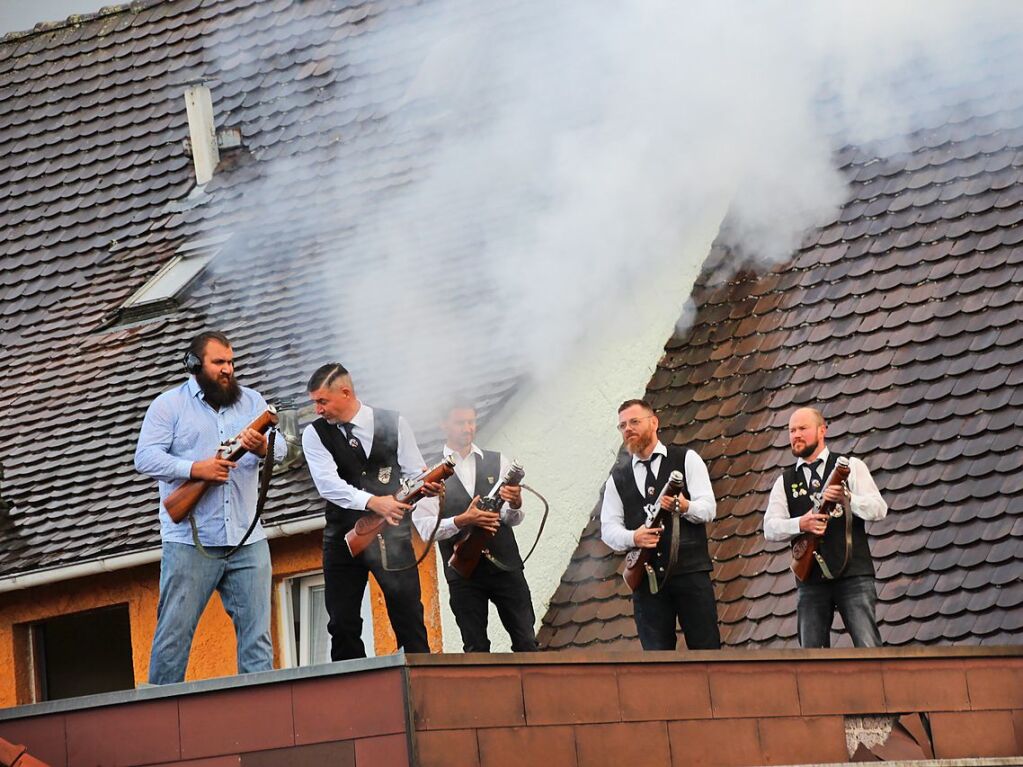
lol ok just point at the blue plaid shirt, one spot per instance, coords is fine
(179, 429)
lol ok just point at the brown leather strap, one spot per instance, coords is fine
(426, 548)
(264, 485)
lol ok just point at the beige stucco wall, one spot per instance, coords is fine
(563, 429)
(213, 648)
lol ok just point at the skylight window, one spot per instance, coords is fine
(163, 291)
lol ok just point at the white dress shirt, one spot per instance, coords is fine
(702, 506)
(324, 470)
(865, 502)
(424, 516)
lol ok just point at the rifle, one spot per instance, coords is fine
(637, 561)
(186, 495)
(804, 548)
(473, 544)
(369, 525)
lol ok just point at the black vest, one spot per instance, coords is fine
(693, 556)
(457, 499)
(378, 474)
(832, 547)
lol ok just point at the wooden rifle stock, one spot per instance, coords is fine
(369, 525)
(466, 556)
(637, 561)
(804, 548)
(186, 495)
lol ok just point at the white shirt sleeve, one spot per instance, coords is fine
(324, 473)
(424, 517)
(778, 525)
(411, 463)
(410, 460)
(612, 520)
(510, 516)
(702, 506)
(866, 502)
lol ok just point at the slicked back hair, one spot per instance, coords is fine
(197, 345)
(326, 375)
(641, 402)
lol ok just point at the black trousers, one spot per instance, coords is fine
(345, 581)
(509, 592)
(687, 598)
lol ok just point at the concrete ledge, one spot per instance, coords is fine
(158, 692)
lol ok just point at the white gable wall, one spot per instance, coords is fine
(563, 431)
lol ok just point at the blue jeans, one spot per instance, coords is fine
(187, 581)
(854, 597)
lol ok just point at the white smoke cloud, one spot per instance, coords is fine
(568, 148)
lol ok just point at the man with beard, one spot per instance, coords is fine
(357, 456)
(183, 427)
(684, 592)
(791, 511)
(498, 577)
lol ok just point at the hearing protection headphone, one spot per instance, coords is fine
(192, 363)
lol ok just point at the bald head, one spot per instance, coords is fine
(808, 412)
(806, 433)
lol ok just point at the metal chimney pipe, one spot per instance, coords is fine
(202, 131)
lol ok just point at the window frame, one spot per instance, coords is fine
(295, 651)
(197, 254)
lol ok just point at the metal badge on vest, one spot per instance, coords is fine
(412, 490)
(805, 547)
(683, 546)
(366, 473)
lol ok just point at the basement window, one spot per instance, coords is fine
(78, 654)
(304, 622)
(163, 291)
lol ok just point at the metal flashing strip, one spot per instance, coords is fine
(730, 655)
(158, 692)
(980, 761)
(46, 576)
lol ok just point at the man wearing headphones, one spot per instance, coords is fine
(183, 427)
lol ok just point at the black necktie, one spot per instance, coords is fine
(353, 441)
(815, 478)
(651, 480)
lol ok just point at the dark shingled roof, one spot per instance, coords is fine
(902, 320)
(97, 194)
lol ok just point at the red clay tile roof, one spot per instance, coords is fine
(95, 198)
(903, 320)
(12, 755)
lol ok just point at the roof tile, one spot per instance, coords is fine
(904, 326)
